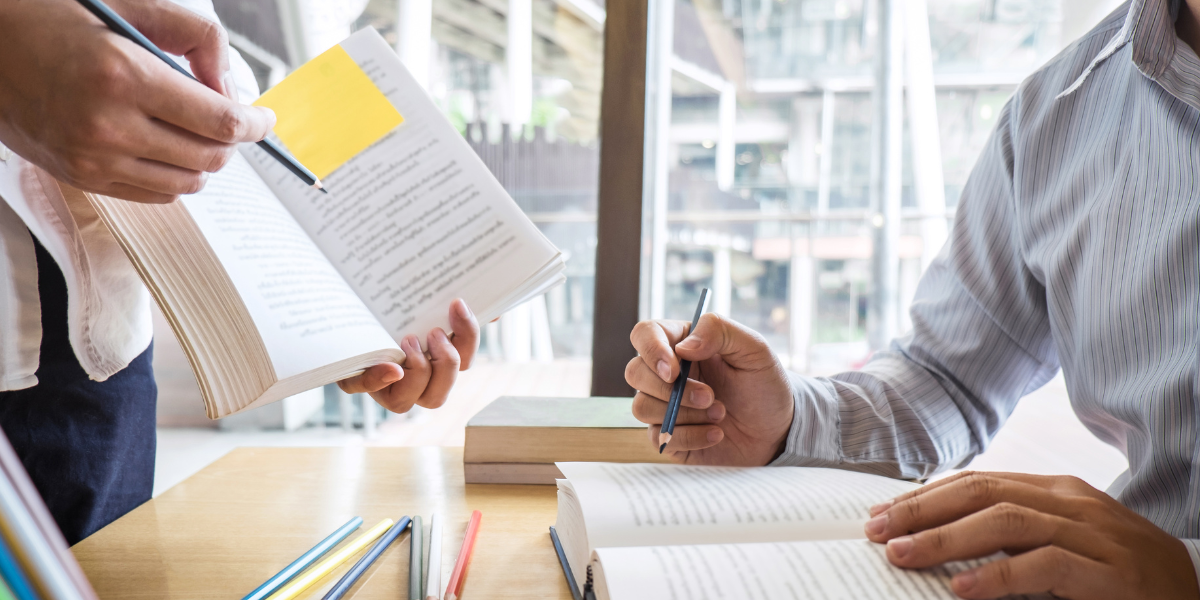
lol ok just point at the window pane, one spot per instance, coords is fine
(769, 155)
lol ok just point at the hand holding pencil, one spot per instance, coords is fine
(735, 405)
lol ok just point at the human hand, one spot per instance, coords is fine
(1066, 537)
(104, 115)
(737, 403)
(424, 381)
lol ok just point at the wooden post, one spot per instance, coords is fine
(619, 214)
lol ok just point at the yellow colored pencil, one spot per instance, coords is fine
(312, 575)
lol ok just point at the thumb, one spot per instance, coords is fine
(182, 32)
(739, 346)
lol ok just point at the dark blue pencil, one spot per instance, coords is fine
(281, 578)
(351, 577)
(685, 368)
(566, 566)
(122, 27)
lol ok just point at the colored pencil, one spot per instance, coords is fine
(43, 566)
(306, 559)
(416, 550)
(5, 593)
(433, 585)
(566, 567)
(14, 575)
(458, 576)
(11, 465)
(122, 27)
(685, 367)
(310, 577)
(352, 576)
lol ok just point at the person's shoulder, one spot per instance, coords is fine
(1060, 73)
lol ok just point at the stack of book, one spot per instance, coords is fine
(35, 563)
(518, 440)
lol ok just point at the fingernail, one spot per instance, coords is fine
(391, 377)
(664, 370)
(716, 412)
(882, 506)
(714, 436)
(689, 344)
(271, 117)
(464, 311)
(901, 546)
(963, 582)
(231, 90)
(877, 525)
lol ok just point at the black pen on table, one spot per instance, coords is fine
(122, 27)
(685, 367)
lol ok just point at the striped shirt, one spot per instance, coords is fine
(1076, 245)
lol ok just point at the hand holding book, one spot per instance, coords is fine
(422, 381)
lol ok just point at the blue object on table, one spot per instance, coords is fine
(351, 577)
(289, 572)
(13, 575)
(566, 567)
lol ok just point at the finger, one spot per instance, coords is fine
(165, 143)
(444, 361)
(171, 97)
(182, 32)
(686, 438)
(400, 396)
(373, 379)
(968, 495)
(651, 410)
(739, 346)
(654, 340)
(1053, 570)
(1046, 482)
(135, 194)
(1001, 527)
(465, 327)
(157, 177)
(695, 394)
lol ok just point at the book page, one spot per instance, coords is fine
(798, 570)
(656, 504)
(416, 219)
(306, 314)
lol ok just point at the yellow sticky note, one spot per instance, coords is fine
(328, 111)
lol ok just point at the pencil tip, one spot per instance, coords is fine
(660, 448)
(323, 190)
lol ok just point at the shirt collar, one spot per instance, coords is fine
(1150, 28)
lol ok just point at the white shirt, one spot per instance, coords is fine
(108, 307)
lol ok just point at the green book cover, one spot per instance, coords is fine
(594, 412)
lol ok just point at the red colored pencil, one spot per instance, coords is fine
(459, 575)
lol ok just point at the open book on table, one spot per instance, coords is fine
(653, 531)
(273, 288)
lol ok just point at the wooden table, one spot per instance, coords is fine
(228, 528)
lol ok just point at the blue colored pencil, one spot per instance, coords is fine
(13, 575)
(566, 567)
(351, 577)
(308, 558)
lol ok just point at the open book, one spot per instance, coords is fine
(653, 531)
(273, 288)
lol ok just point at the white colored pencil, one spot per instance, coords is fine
(433, 587)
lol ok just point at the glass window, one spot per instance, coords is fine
(768, 157)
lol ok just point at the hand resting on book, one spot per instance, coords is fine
(423, 380)
(1066, 537)
(98, 112)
